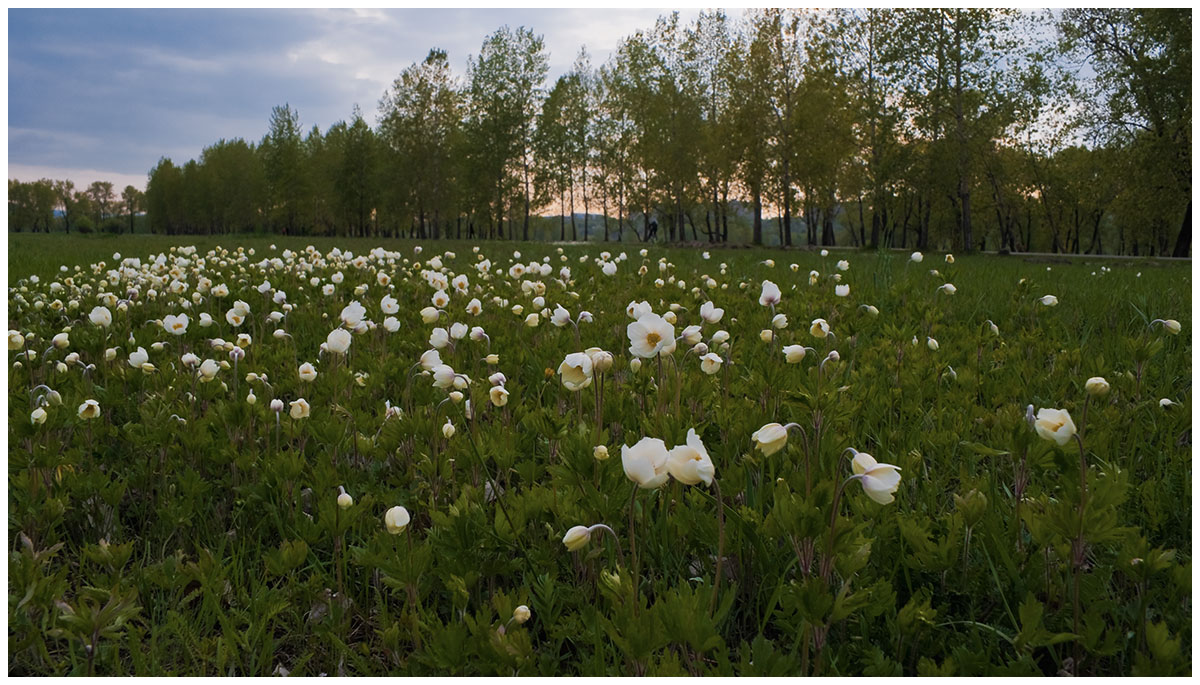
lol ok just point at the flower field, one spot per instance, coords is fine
(432, 458)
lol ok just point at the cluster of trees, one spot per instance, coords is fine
(955, 128)
(44, 204)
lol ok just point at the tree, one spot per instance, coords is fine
(781, 51)
(553, 150)
(1142, 59)
(164, 197)
(418, 122)
(355, 179)
(708, 47)
(131, 197)
(283, 158)
(101, 195)
(238, 181)
(504, 94)
(750, 115)
(66, 199)
(578, 132)
(952, 66)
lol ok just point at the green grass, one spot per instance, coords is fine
(181, 533)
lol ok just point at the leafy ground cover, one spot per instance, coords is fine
(878, 467)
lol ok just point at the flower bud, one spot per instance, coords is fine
(396, 520)
(1096, 386)
(521, 614)
(448, 429)
(600, 452)
(577, 538)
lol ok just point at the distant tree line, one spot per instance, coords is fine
(45, 205)
(955, 128)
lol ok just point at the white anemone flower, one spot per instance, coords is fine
(879, 481)
(689, 463)
(646, 463)
(576, 371)
(650, 335)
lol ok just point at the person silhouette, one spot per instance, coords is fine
(652, 231)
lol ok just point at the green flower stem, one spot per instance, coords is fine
(712, 605)
(633, 547)
(495, 486)
(827, 560)
(1077, 549)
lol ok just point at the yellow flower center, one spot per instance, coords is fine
(653, 338)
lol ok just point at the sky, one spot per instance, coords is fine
(103, 94)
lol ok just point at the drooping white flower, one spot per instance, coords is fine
(430, 359)
(879, 481)
(770, 438)
(770, 294)
(577, 538)
(794, 354)
(443, 376)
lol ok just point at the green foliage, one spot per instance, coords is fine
(187, 531)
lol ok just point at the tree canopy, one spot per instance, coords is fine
(960, 129)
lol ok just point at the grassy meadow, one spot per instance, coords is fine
(596, 473)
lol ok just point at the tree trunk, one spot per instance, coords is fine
(787, 203)
(525, 166)
(757, 237)
(725, 214)
(585, 206)
(574, 229)
(1183, 242)
(604, 210)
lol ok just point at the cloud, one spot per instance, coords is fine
(96, 90)
(82, 177)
